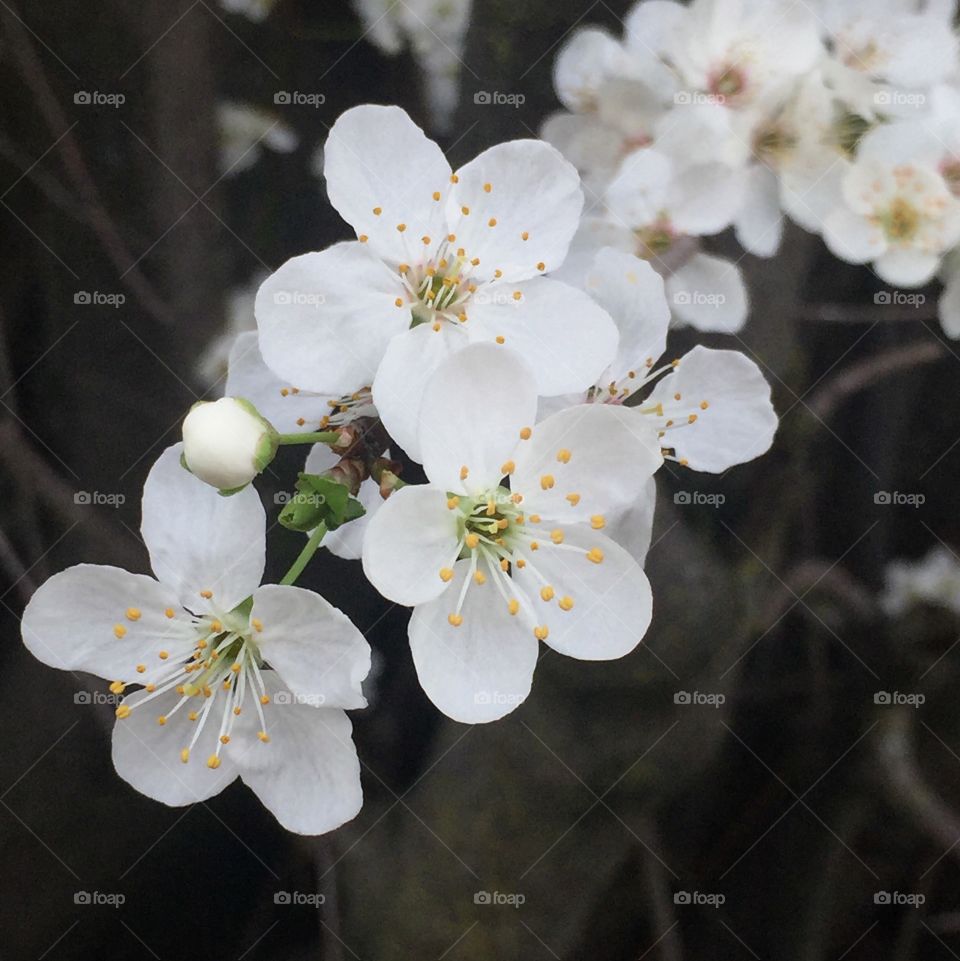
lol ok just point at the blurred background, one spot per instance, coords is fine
(773, 773)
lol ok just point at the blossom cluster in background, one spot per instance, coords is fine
(843, 115)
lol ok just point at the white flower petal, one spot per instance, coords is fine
(308, 774)
(905, 267)
(584, 62)
(377, 158)
(642, 188)
(739, 423)
(326, 318)
(199, 540)
(632, 528)
(708, 197)
(314, 648)
(481, 670)
(852, 237)
(408, 364)
(612, 450)
(73, 621)
(409, 540)
(147, 755)
(708, 293)
(474, 408)
(612, 601)
(759, 222)
(632, 293)
(565, 336)
(534, 192)
(949, 308)
(250, 378)
(347, 541)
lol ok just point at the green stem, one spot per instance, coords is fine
(315, 437)
(297, 567)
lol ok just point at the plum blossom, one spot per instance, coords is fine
(933, 579)
(505, 546)
(233, 679)
(441, 260)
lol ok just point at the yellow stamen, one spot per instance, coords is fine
(446, 575)
(598, 522)
(595, 555)
(455, 620)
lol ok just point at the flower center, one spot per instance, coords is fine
(655, 239)
(900, 221)
(216, 679)
(728, 83)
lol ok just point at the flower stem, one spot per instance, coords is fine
(315, 437)
(297, 567)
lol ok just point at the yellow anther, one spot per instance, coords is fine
(163, 655)
(598, 522)
(525, 235)
(547, 482)
(161, 720)
(574, 499)
(436, 195)
(399, 302)
(508, 467)
(472, 540)
(169, 612)
(464, 472)
(446, 574)
(475, 262)
(301, 421)
(150, 688)
(556, 536)
(403, 268)
(487, 188)
(676, 396)
(201, 644)
(460, 251)
(224, 738)
(465, 211)
(595, 555)
(541, 633)
(133, 613)
(377, 211)
(235, 667)
(123, 711)
(141, 668)
(525, 433)
(521, 563)
(516, 498)
(363, 238)
(462, 317)
(547, 593)
(534, 518)
(426, 240)
(453, 502)
(683, 462)
(703, 405)
(563, 455)
(206, 595)
(491, 507)
(185, 755)
(119, 631)
(499, 340)
(193, 715)
(215, 627)
(517, 295)
(213, 762)
(541, 266)
(236, 710)
(401, 227)
(498, 273)
(566, 603)
(503, 524)
(492, 222)
(480, 577)
(534, 545)
(264, 698)
(117, 687)
(692, 419)
(263, 736)
(504, 564)
(454, 179)
(257, 624)
(455, 620)
(513, 605)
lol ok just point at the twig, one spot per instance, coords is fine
(870, 371)
(97, 216)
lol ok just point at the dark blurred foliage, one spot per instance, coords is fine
(598, 800)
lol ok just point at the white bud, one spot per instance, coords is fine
(226, 442)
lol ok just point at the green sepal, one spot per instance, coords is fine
(319, 500)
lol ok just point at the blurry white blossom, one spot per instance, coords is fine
(934, 579)
(245, 131)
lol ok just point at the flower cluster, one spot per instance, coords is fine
(540, 409)
(842, 115)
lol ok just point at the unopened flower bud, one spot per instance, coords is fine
(226, 442)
